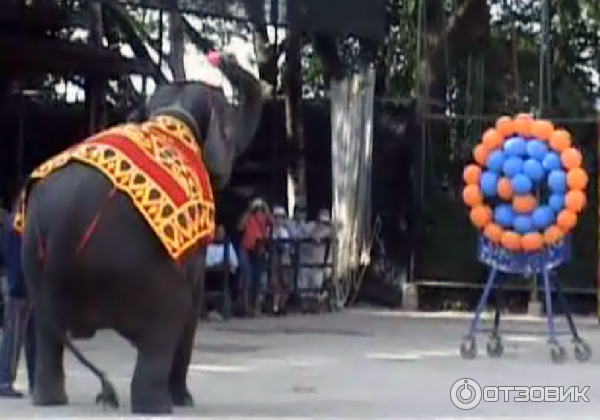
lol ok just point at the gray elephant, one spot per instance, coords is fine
(93, 261)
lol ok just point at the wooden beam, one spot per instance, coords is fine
(32, 14)
(45, 55)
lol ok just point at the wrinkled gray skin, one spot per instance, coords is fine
(124, 279)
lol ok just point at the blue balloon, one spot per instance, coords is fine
(556, 202)
(557, 181)
(542, 217)
(521, 184)
(495, 161)
(504, 215)
(515, 146)
(551, 161)
(537, 149)
(512, 166)
(523, 223)
(533, 169)
(489, 183)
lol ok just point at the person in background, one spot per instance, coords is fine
(255, 226)
(221, 267)
(297, 225)
(281, 268)
(220, 251)
(19, 322)
(313, 253)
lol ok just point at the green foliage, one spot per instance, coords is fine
(498, 75)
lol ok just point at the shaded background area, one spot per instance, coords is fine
(444, 73)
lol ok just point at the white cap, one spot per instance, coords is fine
(324, 216)
(258, 202)
(279, 211)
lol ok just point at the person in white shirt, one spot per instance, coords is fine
(313, 253)
(215, 253)
(282, 274)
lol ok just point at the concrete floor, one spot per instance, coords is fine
(356, 364)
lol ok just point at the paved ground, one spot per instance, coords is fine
(357, 364)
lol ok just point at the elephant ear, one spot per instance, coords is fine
(138, 115)
(219, 148)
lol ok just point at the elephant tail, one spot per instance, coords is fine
(108, 394)
(43, 261)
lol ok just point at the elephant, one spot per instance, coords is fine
(124, 279)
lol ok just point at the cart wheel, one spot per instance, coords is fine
(495, 348)
(468, 349)
(583, 352)
(558, 353)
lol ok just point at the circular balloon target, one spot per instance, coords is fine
(527, 185)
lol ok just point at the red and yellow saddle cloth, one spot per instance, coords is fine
(158, 165)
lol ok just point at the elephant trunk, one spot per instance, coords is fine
(247, 115)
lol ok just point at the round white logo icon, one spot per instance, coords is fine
(465, 394)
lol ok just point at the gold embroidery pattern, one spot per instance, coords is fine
(158, 165)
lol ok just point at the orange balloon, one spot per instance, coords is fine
(472, 174)
(575, 200)
(553, 234)
(493, 232)
(571, 158)
(480, 216)
(492, 139)
(472, 195)
(511, 240)
(490, 212)
(480, 153)
(505, 126)
(566, 220)
(542, 130)
(524, 203)
(504, 188)
(523, 125)
(577, 179)
(532, 241)
(560, 140)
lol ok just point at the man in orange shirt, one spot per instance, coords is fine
(256, 227)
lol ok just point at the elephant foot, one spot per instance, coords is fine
(147, 400)
(152, 407)
(182, 398)
(49, 397)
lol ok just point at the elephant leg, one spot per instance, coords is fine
(181, 361)
(49, 383)
(149, 386)
(156, 351)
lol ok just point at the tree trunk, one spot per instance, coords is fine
(293, 117)
(466, 28)
(177, 40)
(326, 49)
(266, 56)
(95, 89)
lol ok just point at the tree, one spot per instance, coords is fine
(177, 41)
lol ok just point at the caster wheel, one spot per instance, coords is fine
(495, 348)
(558, 354)
(583, 352)
(468, 349)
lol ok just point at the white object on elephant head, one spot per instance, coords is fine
(207, 73)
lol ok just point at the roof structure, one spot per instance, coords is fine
(28, 46)
(361, 18)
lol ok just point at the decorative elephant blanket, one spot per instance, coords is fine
(158, 165)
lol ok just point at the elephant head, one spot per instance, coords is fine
(223, 129)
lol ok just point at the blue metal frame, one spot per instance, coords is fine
(502, 261)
